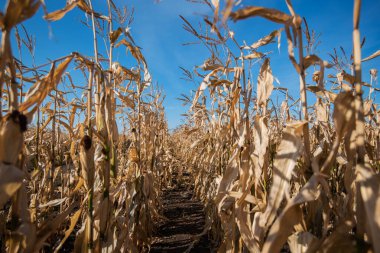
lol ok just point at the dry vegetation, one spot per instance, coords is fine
(272, 177)
(79, 184)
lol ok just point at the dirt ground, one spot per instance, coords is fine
(185, 220)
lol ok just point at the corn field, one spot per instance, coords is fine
(85, 166)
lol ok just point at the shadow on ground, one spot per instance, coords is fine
(185, 219)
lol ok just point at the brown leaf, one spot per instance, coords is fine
(285, 160)
(291, 49)
(57, 15)
(229, 177)
(340, 240)
(23, 239)
(66, 126)
(84, 7)
(204, 84)
(372, 56)
(51, 226)
(125, 99)
(10, 181)
(252, 11)
(370, 194)
(19, 11)
(261, 141)
(290, 216)
(267, 39)
(73, 221)
(344, 121)
(42, 88)
(244, 223)
(264, 83)
(321, 111)
(253, 55)
(227, 9)
(301, 241)
(114, 35)
(367, 107)
(346, 77)
(135, 51)
(311, 60)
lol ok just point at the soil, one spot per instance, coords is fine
(184, 221)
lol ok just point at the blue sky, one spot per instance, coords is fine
(157, 29)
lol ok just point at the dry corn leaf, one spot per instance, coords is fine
(248, 197)
(147, 76)
(370, 194)
(66, 126)
(57, 15)
(344, 119)
(290, 216)
(301, 241)
(252, 11)
(215, 83)
(204, 85)
(10, 181)
(135, 51)
(367, 107)
(264, 83)
(242, 218)
(289, 40)
(41, 89)
(114, 35)
(253, 55)
(78, 186)
(227, 10)
(54, 202)
(286, 157)
(23, 239)
(311, 60)
(340, 240)
(261, 141)
(72, 115)
(346, 77)
(46, 123)
(228, 178)
(51, 225)
(73, 221)
(321, 111)
(18, 11)
(81, 241)
(267, 39)
(372, 56)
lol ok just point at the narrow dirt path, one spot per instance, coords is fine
(185, 220)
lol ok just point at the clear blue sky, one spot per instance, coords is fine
(157, 29)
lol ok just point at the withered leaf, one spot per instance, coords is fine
(264, 83)
(290, 216)
(267, 39)
(10, 181)
(271, 14)
(372, 56)
(285, 160)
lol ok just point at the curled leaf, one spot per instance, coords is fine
(264, 83)
(252, 11)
